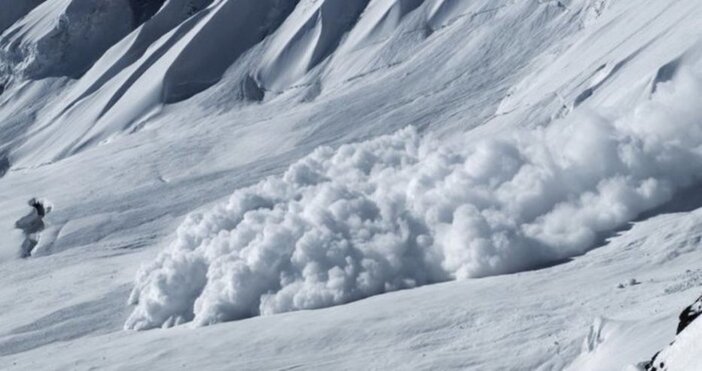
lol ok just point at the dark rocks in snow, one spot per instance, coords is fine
(631, 282)
(687, 316)
(652, 366)
(31, 225)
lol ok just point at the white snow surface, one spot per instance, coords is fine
(533, 165)
(683, 354)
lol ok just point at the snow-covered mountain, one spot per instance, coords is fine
(354, 184)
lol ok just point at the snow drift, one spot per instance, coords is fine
(401, 211)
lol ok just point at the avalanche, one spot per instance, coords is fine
(449, 184)
(402, 211)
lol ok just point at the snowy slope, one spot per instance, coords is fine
(537, 129)
(682, 353)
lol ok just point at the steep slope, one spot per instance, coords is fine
(587, 309)
(683, 352)
(14, 10)
(309, 53)
(397, 212)
(538, 129)
(64, 38)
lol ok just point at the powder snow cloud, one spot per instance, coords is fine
(404, 210)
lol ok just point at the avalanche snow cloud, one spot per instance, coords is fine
(403, 210)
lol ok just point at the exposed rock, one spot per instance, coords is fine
(687, 316)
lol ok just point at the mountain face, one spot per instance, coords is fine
(268, 49)
(420, 184)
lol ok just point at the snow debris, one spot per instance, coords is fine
(403, 210)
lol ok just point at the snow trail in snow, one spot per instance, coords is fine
(402, 211)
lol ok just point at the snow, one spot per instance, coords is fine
(14, 10)
(308, 37)
(683, 354)
(466, 324)
(83, 30)
(494, 153)
(400, 211)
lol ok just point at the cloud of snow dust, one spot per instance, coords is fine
(402, 211)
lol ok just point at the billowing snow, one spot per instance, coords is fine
(400, 212)
(532, 165)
